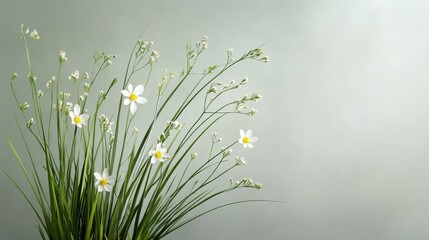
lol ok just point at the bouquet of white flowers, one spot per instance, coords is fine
(103, 179)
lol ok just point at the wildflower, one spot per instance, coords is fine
(159, 154)
(104, 181)
(135, 130)
(14, 75)
(265, 59)
(32, 78)
(252, 112)
(133, 96)
(258, 185)
(255, 97)
(62, 56)
(64, 95)
(229, 52)
(86, 76)
(39, 93)
(204, 42)
(74, 76)
(194, 155)
(226, 152)
(24, 106)
(239, 161)
(30, 122)
(246, 138)
(49, 84)
(154, 56)
(34, 35)
(175, 124)
(86, 87)
(106, 125)
(77, 118)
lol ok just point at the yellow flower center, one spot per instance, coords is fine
(133, 97)
(77, 120)
(103, 182)
(246, 140)
(158, 154)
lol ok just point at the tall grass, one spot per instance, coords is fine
(147, 196)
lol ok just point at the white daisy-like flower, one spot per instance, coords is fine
(77, 118)
(246, 138)
(132, 96)
(159, 154)
(104, 181)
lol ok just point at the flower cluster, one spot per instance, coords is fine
(78, 138)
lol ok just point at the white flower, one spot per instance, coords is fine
(14, 75)
(74, 76)
(77, 118)
(24, 106)
(86, 76)
(246, 138)
(62, 56)
(159, 154)
(240, 161)
(133, 96)
(34, 35)
(104, 181)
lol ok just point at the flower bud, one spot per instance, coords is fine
(30, 122)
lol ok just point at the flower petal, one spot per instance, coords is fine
(125, 93)
(253, 139)
(141, 100)
(84, 117)
(130, 88)
(71, 114)
(139, 90)
(76, 110)
(100, 188)
(127, 101)
(97, 175)
(153, 160)
(108, 188)
(111, 179)
(249, 133)
(105, 173)
(133, 107)
(151, 152)
(158, 146)
(250, 145)
(242, 134)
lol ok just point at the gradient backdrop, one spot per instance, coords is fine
(343, 126)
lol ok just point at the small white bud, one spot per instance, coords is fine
(34, 35)
(86, 76)
(30, 122)
(74, 76)
(62, 56)
(24, 106)
(14, 75)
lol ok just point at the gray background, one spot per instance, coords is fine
(343, 125)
